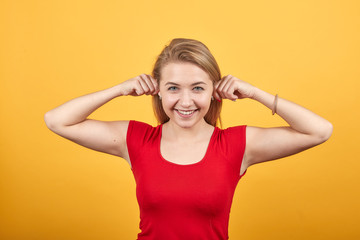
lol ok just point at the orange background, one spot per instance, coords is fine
(52, 51)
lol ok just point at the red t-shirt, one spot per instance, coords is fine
(185, 202)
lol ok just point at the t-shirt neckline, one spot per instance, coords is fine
(190, 164)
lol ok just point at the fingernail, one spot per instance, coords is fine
(218, 100)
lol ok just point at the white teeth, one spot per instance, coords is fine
(186, 112)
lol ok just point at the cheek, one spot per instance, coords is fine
(204, 100)
(170, 98)
(169, 101)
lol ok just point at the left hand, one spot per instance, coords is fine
(230, 87)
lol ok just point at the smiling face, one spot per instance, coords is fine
(186, 92)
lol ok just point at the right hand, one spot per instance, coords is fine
(139, 85)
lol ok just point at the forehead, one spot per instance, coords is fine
(183, 73)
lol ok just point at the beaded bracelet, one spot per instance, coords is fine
(275, 104)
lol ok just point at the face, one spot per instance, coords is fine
(186, 92)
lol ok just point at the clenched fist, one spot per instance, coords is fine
(230, 87)
(139, 85)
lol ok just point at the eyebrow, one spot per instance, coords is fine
(176, 84)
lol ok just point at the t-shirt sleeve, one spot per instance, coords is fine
(235, 145)
(136, 138)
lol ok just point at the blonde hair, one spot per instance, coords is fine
(190, 51)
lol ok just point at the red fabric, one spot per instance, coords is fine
(185, 201)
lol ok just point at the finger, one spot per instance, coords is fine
(226, 89)
(138, 89)
(144, 85)
(231, 88)
(217, 96)
(220, 93)
(216, 89)
(220, 88)
(151, 84)
(154, 85)
(148, 87)
(231, 92)
(223, 82)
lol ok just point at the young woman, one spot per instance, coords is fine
(186, 168)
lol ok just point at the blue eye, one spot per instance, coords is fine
(172, 88)
(198, 88)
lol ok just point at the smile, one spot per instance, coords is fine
(186, 113)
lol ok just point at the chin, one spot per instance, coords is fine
(186, 124)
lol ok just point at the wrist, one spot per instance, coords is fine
(256, 92)
(269, 100)
(118, 90)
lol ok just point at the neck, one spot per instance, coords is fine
(186, 134)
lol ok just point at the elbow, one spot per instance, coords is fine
(49, 121)
(326, 132)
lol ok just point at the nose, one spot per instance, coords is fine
(185, 100)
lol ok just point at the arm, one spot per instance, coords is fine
(70, 121)
(306, 129)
